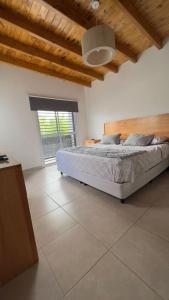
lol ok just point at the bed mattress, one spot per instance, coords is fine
(113, 169)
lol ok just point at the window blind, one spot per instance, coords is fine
(45, 104)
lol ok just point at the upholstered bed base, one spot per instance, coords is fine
(121, 191)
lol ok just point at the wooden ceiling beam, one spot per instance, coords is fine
(44, 70)
(129, 10)
(41, 32)
(111, 67)
(78, 18)
(9, 42)
(37, 30)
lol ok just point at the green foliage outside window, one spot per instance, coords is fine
(49, 125)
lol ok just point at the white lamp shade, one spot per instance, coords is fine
(98, 46)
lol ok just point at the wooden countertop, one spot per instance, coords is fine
(7, 164)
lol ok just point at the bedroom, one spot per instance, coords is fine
(87, 243)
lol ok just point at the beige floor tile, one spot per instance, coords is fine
(134, 207)
(34, 191)
(40, 179)
(66, 185)
(156, 220)
(62, 197)
(54, 186)
(48, 227)
(37, 176)
(71, 251)
(162, 200)
(111, 280)
(37, 283)
(148, 256)
(41, 205)
(42, 185)
(66, 195)
(71, 255)
(52, 170)
(161, 181)
(104, 223)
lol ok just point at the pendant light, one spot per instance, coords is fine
(98, 44)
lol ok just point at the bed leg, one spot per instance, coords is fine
(122, 201)
(61, 173)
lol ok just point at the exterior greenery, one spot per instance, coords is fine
(49, 126)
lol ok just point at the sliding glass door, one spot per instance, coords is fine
(57, 131)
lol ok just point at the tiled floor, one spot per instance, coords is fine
(92, 247)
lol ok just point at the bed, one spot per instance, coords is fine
(113, 175)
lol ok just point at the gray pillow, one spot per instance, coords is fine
(138, 140)
(159, 140)
(111, 139)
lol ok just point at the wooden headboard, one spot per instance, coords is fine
(157, 125)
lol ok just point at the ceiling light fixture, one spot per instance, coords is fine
(98, 43)
(95, 4)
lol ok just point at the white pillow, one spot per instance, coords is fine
(159, 140)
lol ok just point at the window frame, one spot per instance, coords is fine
(58, 132)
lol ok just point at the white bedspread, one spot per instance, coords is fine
(113, 169)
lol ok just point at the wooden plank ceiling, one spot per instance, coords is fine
(45, 36)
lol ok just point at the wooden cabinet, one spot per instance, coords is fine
(91, 142)
(17, 243)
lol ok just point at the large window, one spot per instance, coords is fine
(57, 131)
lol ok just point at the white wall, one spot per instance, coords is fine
(137, 90)
(19, 131)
